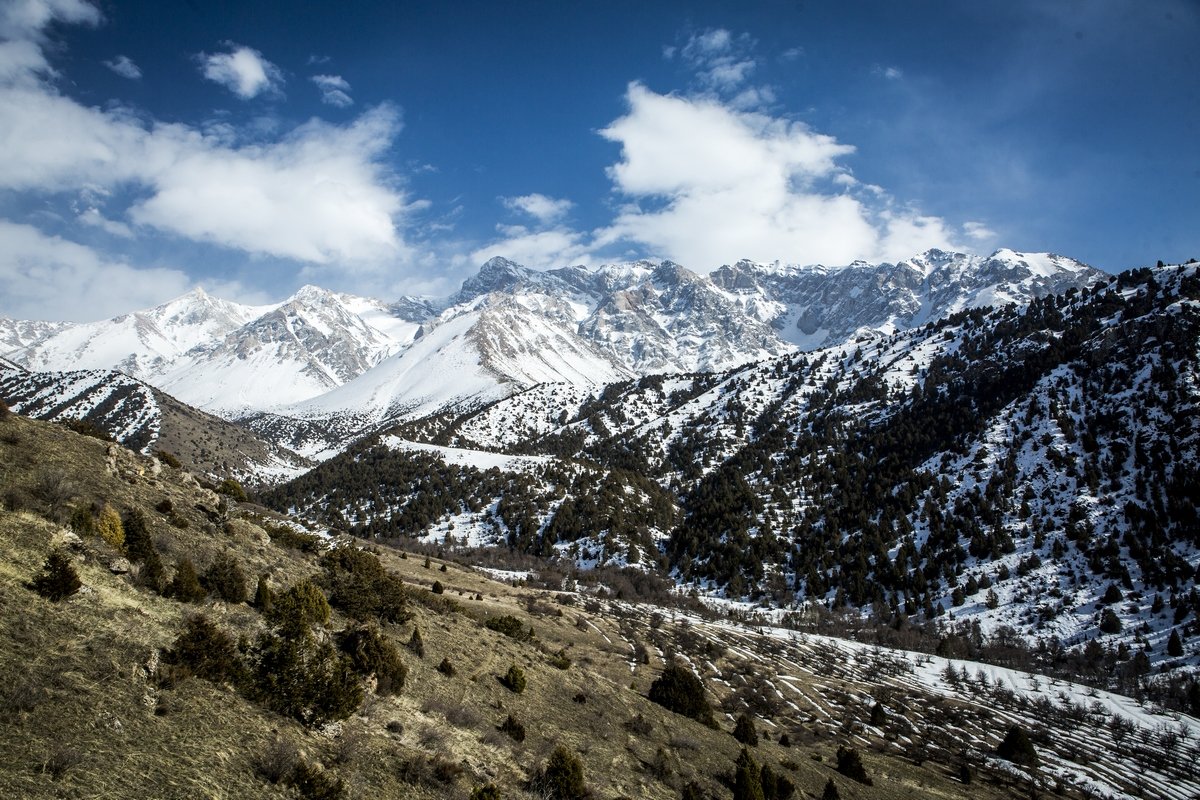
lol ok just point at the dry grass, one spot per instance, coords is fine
(83, 716)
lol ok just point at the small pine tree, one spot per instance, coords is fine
(264, 596)
(83, 521)
(371, 653)
(185, 586)
(206, 651)
(58, 579)
(878, 715)
(232, 489)
(849, 763)
(1175, 644)
(514, 679)
(1017, 748)
(139, 546)
(744, 732)
(109, 527)
(225, 579)
(416, 644)
(512, 727)
(747, 778)
(831, 791)
(298, 609)
(776, 786)
(1110, 622)
(488, 791)
(679, 690)
(438, 588)
(304, 678)
(562, 776)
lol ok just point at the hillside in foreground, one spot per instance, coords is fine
(116, 690)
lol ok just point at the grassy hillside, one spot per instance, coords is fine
(92, 706)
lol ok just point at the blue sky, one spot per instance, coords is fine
(388, 148)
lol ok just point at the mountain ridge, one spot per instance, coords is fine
(311, 354)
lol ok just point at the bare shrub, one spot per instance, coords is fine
(277, 761)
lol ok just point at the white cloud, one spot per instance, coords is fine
(712, 184)
(242, 70)
(335, 90)
(537, 249)
(722, 61)
(319, 193)
(27, 19)
(542, 208)
(92, 217)
(979, 231)
(890, 73)
(40, 273)
(124, 66)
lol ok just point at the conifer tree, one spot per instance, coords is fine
(1175, 644)
(679, 690)
(264, 596)
(744, 732)
(1017, 748)
(58, 579)
(108, 526)
(747, 778)
(849, 763)
(416, 644)
(225, 579)
(297, 610)
(185, 586)
(562, 777)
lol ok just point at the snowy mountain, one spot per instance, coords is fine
(815, 307)
(1031, 468)
(321, 356)
(142, 344)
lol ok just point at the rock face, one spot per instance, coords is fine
(815, 307)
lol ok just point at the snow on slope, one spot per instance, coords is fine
(478, 459)
(123, 406)
(144, 343)
(491, 349)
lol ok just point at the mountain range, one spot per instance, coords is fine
(356, 363)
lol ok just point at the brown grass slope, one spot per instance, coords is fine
(88, 709)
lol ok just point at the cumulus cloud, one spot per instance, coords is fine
(124, 66)
(319, 193)
(27, 20)
(335, 90)
(542, 208)
(710, 183)
(42, 272)
(242, 70)
(22, 31)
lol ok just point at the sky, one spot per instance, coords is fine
(389, 148)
